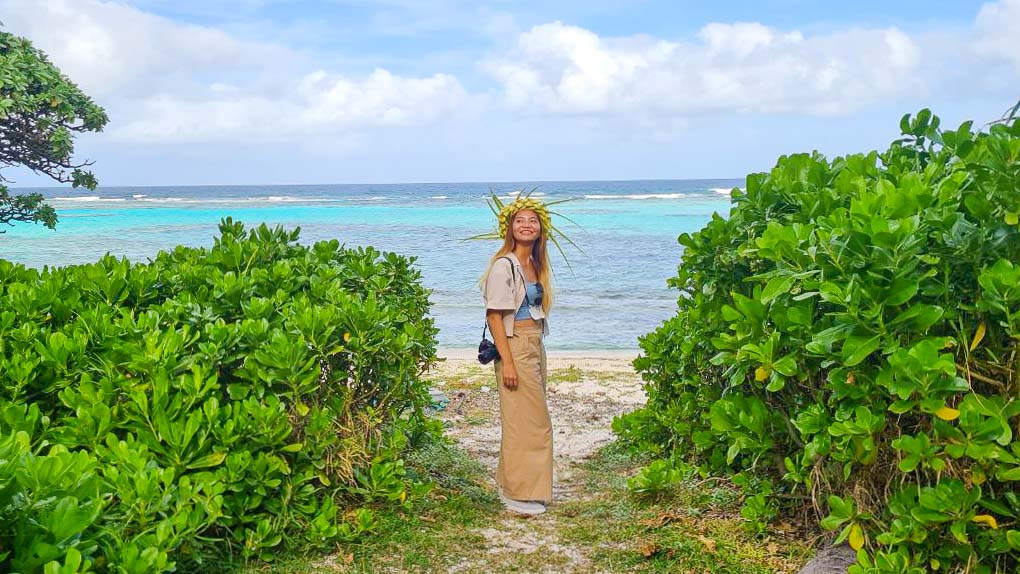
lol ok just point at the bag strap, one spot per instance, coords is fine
(513, 275)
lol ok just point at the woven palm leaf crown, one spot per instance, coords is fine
(524, 200)
(518, 204)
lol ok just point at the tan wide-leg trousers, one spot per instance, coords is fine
(525, 470)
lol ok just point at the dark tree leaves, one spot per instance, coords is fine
(40, 113)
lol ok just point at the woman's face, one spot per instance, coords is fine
(526, 226)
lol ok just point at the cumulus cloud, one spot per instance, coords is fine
(109, 48)
(997, 28)
(317, 103)
(163, 81)
(743, 67)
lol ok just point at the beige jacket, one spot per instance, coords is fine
(501, 292)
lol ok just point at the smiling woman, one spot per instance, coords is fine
(518, 296)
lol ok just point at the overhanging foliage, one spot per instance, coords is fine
(40, 113)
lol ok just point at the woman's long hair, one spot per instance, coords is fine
(539, 257)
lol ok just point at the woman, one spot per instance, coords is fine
(518, 296)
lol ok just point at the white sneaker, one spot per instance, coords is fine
(521, 506)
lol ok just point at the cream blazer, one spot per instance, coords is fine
(504, 291)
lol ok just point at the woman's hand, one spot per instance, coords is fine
(509, 375)
(507, 370)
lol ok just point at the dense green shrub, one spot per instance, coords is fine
(208, 406)
(850, 335)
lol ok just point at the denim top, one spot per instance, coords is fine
(530, 294)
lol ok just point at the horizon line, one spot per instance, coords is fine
(100, 186)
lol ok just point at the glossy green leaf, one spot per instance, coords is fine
(856, 349)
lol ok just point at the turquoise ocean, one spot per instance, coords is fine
(615, 292)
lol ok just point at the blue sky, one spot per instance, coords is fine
(264, 92)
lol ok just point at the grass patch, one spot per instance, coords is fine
(429, 538)
(574, 374)
(694, 527)
(464, 378)
(569, 375)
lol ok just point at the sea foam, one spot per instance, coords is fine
(640, 196)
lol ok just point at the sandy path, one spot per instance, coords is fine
(585, 390)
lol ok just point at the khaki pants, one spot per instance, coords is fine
(525, 470)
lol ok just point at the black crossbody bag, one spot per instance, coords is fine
(487, 351)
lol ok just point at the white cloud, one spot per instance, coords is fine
(162, 81)
(997, 32)
(165, 81)
(109, 48)
(317, 103)
(744, 67)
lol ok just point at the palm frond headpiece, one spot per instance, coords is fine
(524, 200)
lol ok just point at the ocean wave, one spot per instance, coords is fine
(79, 198)
(235, 200)
(640, 196)
(438, 197)
(724, 190)
(141, 198)
(87, 198)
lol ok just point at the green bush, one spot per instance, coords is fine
(658, 477)
(851, 333)
(208, 406)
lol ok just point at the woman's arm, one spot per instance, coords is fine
(495, 319)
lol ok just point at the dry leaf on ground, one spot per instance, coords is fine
(649, 549)
(708, 542)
